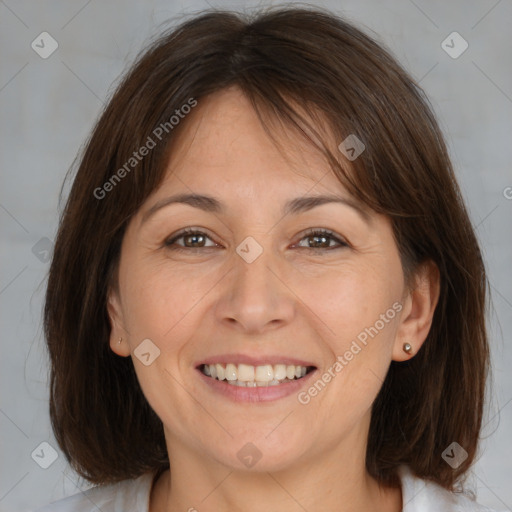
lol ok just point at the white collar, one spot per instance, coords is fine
(425, 496)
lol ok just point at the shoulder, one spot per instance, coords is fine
(423, 496)
(126, 496)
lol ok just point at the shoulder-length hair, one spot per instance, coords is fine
(280, 58)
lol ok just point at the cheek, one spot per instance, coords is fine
(151, 310)
(361, 314)
(159, 296)
(347, 301)
(358, 325)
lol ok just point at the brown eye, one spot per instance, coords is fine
(321, 239)
(195, 239)
(192, 239)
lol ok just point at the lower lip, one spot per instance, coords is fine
(258, 393)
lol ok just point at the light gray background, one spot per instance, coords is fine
(48, 106)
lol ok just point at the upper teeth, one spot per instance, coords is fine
(246, 373)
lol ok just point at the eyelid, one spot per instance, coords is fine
(170, 241)
(342, 241)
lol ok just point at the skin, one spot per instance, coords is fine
(293, 300)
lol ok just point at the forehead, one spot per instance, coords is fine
(224, 143)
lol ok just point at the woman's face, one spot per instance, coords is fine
(256, 293)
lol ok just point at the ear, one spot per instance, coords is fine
(116, 325)
(418, 312)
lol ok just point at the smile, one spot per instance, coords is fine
(244, 375)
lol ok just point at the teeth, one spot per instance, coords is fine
(220, 371)
(280, 371)
(264, 373)
(230, 373)
(245, 375)
(245, 372)
(257, 384)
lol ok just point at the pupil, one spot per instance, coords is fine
(193, 238)
(316, 238)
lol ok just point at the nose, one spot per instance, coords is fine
(256, 297)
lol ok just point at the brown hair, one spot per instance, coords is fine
(279, 58)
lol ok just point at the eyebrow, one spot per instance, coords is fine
(294, 206)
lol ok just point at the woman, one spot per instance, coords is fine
(266, 293)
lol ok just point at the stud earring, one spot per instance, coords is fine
(407, 348)
(119, 341)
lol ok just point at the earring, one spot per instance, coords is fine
(407, 348)
(119, 341)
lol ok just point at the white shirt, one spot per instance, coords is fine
(133, 496)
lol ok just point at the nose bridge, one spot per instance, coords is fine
(253, 275)
(256, 296)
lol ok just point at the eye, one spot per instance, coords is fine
(193, 239)
(321, 239)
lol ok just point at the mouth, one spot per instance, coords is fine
(248, 376)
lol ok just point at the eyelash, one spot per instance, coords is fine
(171, 243)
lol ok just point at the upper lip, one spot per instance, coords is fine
(253, 360)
